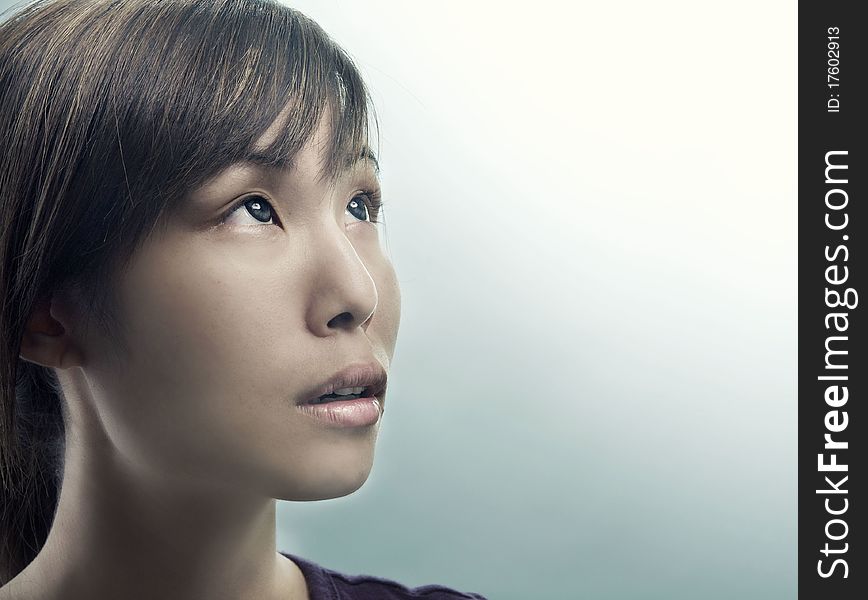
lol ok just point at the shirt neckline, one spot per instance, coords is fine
(319, 585)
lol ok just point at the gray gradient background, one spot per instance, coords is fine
(592, 210)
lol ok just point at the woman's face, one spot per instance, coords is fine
(232, 317)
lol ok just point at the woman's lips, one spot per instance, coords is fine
(369, 375)
(358, 412)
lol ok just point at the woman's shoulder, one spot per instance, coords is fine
(327, 584)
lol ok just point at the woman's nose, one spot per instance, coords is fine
(343, 294)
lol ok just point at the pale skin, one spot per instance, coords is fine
(173, 462)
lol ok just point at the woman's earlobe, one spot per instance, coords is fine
(45, 340)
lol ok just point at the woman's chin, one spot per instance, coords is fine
(324, 490)
(328, 479)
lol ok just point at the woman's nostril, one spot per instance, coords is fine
(340, 320)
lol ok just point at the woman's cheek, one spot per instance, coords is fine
(387, 317)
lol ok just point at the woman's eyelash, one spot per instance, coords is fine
(374, 204)
(240, 205)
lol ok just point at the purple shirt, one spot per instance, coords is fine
(326, 584)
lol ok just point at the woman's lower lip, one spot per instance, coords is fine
(358, 412)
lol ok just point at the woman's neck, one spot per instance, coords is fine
(120, 532)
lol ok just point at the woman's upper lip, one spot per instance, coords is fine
(368, 374)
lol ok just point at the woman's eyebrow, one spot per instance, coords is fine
(267, 161)
(368, 154)
(280, 163)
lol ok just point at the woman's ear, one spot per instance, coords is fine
(47, 338)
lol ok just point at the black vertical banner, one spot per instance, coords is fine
(833, 370)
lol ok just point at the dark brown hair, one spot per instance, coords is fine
(110, 112)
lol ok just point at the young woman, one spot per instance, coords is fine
(197, 316)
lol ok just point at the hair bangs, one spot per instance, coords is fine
(324, 84)
(265, 64)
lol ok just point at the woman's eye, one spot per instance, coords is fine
(256, 207)
(365, 210)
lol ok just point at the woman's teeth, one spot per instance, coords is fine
(350, 390)
(342, 394)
